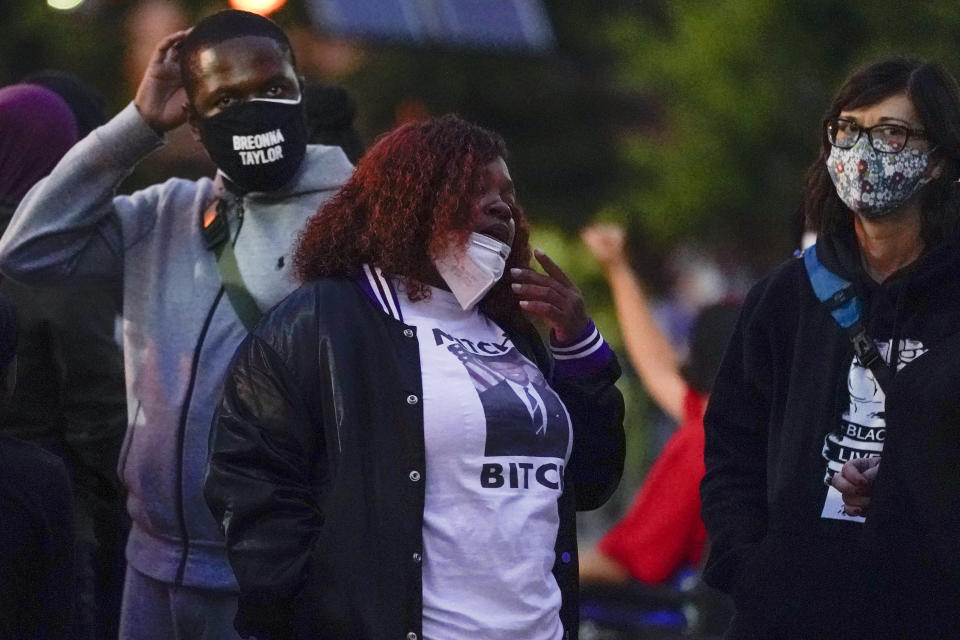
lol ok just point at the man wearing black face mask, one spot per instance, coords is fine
(198, 262)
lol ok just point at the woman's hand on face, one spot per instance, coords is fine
(552, 297)
(855, 484)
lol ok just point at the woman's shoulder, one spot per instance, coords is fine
(319, 293)
(310, 303)
(786, 279)
(783, 294)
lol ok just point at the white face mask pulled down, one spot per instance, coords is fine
(471, 273)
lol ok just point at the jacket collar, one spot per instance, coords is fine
(383, 295)
(380, 289)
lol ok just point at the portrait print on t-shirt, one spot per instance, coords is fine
(524, 416)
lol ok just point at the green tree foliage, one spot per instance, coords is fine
(548, 106)
(685, 120)
(742, 86)
(87, 43)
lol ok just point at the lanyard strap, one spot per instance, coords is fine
(841, 300)
(216, 233)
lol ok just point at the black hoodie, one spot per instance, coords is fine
(789, 406)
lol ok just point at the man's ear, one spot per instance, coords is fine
(193, 119)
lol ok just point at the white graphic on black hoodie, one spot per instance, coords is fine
(863, 426)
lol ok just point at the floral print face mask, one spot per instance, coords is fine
(872, 183)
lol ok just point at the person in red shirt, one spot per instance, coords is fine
(662, 532)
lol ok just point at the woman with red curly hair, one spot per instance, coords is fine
(397, 454)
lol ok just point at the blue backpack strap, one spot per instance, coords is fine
(841, 300)
(832, 290)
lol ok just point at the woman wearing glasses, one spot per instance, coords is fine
(831, 494)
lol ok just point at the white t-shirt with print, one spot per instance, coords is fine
(497, 440)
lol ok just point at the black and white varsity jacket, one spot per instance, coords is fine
(317, 467)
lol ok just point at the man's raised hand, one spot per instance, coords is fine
(161, 97)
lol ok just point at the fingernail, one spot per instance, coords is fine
(515, 271)
(539, 251)
(524, 304)
(516, 287)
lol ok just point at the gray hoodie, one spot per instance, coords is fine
(179, 329)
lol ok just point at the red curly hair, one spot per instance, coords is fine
(407, 200)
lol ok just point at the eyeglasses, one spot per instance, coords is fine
(885, 138)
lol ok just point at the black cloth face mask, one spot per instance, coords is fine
(257, 144)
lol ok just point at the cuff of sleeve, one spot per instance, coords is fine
(127, 137)
(587, 353)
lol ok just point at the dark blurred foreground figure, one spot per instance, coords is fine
(36, 523)
(69, 397)
(397, 454)
(198, 262)
(803, 407)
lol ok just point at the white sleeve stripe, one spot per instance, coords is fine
(583, 346)
(586, 353)
(586, 342)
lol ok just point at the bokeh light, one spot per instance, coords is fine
(64, 5)
(263, 7)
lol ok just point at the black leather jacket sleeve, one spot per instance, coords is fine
(596, 408)
(258, 484)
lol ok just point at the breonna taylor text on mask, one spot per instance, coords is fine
(262, 148)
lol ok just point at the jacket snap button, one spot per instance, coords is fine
(408, 333)
(415, 476)
(412, 399)
(411, 636)
(417, 557)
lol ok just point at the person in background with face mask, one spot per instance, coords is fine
(198, 262)
(369, 484)
(799, 420)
